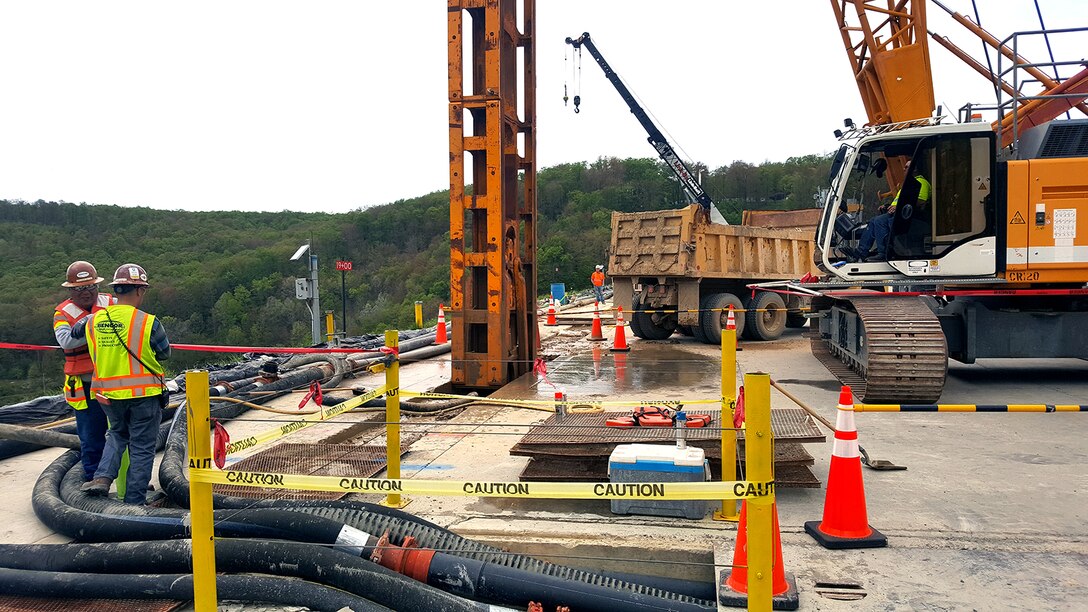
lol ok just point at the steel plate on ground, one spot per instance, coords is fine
(587, 430)
(312, 460)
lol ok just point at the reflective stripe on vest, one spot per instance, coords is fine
(117, 374)
(77, 361)
(74, 394)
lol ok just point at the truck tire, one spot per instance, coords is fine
(650, 330)
(635, 323)
(685, 330)
(795, 320)
(713, 317)
(766, 316)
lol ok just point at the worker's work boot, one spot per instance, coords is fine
(99, 487)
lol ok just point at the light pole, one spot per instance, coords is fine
(306, 288)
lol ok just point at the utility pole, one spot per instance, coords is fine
(306, 289)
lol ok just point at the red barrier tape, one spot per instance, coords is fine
(209, 348)
(28, 347)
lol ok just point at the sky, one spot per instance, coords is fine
(337, 105)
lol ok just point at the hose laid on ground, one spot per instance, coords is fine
(306, 561)
(43, 437)
(262, 589)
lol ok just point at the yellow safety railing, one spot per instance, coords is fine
(758, 488)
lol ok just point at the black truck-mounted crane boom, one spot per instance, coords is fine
(655, 137)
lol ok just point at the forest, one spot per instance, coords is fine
(224, 277)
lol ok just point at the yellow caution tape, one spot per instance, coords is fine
(738, 489)
(550, 404)
(292, 426)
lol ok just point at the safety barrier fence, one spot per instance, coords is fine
(757, 489)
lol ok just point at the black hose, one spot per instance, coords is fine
(34, 435)
(309, 562)
(264, 589)
(494, 583)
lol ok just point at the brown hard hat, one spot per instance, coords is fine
(81, 274)
(130, 274)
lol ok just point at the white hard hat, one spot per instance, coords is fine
(600, 267)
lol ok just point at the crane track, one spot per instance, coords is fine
(905, 357)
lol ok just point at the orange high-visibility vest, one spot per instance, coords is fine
(597, 278)
(117, 373)
(78, 360)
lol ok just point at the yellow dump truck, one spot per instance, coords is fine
(674, 270)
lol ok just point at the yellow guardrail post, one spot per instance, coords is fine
(729, 435)
(759, 461)
(330, 329)
(419, 314)
(200, 494)
(392, 417)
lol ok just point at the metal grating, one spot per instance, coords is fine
(312, 460)
(15, 603)
(788, 425)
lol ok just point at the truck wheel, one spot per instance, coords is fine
(795, 320)
(685, 330)
(715, 312)
(650, 329)
(766, 317)
(635, 323)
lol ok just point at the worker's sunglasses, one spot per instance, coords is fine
(83, 289)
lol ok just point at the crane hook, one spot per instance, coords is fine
(577, 102)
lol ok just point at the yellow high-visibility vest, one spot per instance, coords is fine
(118, 374)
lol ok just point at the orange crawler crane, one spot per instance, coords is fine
(986, 254)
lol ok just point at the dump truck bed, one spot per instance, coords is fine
(681, 243)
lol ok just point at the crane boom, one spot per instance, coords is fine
(655, 137)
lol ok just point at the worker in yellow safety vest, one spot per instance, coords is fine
(127, 345)
(83, 298)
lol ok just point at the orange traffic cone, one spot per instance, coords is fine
(846, 522)
(731, 323)
(440, 333)
(733, 591)
(551, 314)
(620, 342)
(596, 333)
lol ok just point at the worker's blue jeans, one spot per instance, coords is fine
(598, 291)
(876, 232)
(134, 424)
(91, 427)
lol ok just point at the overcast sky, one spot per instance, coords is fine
(336, 105)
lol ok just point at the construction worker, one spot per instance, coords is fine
(878, 230)
(127, 346)
(598, 283)
(83, 298)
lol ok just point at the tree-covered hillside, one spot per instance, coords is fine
(225, 278)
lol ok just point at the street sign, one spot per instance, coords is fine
(343, 265)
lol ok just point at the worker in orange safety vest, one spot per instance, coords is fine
(597, 278)
(83, 299)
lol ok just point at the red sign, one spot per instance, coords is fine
(343, 265)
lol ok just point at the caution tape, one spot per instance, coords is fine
(552, 403)
(970, 408)
(290, 427)
(209, 348)
(738, 489)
